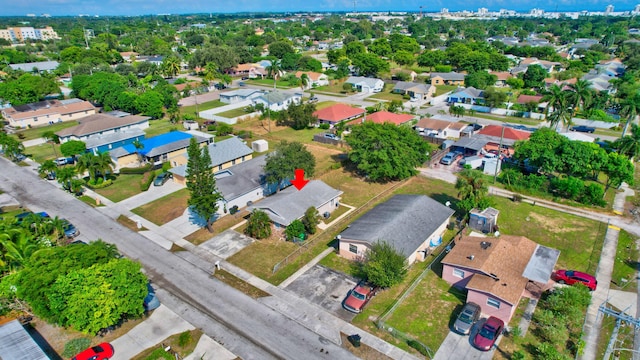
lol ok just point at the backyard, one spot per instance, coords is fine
(36, 132)
(191, 109)
(387, 94)
(160, 126)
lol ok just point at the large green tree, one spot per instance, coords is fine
(27, 89)
(288, 156)
(73, 147)
(472, 190)
(618, 170)
(97, 297)
(386, 152)
(201, 183)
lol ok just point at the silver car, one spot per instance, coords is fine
(467, 317)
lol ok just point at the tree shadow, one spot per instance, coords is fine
(196, 219)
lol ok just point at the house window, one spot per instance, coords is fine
(458, 273)
(219, 167)
(493, 303)
(353, 248)
(243, 158)
(233, 162)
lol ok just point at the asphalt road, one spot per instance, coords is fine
(251, 329)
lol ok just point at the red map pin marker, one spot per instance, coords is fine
(299, 182)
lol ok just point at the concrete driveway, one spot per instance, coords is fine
(458, 347)
(227, 243)
(324, 287)
(160, 325)
(154, 193)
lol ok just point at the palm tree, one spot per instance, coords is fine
(553, 97)
(87, 162)
(581, 93)
(304, 81)
(562, 111)
(104, 164)
(18, 246)
(65, 175)
(274, 70)
(630, 144)
(472, 189)
(630, 110)
(210, 71)
(171, 66)
(47, 167)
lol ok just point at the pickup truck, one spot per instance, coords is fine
(582, 128)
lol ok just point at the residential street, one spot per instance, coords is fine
(252, 330)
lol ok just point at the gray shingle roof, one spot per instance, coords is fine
(40, 65)
(453, 76)
(291, 204)
(221, 152)
(415, 87)
(17, 344)
(476, 142)
(275, 97)
(242, 178)
(404, 222)
(370, 82)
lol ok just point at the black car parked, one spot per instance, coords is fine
(582, 128)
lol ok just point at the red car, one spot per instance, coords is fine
(358, 297)
(103, 351)
(488, 334)
(571, 277)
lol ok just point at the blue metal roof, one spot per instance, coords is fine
(157, 141)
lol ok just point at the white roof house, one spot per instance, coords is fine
(366, 85)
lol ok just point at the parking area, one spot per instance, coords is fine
(324, 287)
(227, 243)
(456, 346)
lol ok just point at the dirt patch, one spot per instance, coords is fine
(363, 351)
(555, 225)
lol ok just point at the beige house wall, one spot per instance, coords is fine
(46, 118)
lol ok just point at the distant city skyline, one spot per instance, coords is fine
(146, 7)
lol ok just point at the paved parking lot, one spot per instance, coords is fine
(324, 287)
(458, 347)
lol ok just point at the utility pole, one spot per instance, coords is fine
(498, 161)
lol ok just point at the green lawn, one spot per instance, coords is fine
(332, 89)
(386, 94)
(442, 89)
(510, 119)
(233, 113)
(625, 264)
(123, 187)
(165, 209)
(160, 126)
(201, 107)
(325, 104)
(269, 82)
(42, 152)
(36, 132)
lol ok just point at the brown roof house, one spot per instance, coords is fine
(411, 224)
(338, 113)
(47, 112)
(498, 271)
(103, 132)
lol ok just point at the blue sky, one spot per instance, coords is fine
(143, 7)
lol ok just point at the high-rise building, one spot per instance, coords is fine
(20, 34)
(608, 10)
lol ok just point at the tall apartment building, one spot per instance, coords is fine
(20, 34)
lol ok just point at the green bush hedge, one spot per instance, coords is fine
(138, 170)
(147, 179)
(99, 184)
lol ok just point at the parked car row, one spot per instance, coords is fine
(70, 231)
(487, 335)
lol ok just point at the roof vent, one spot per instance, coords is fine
(485, 245)
(470, 257)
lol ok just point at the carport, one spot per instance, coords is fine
(470, 146)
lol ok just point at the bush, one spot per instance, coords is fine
(245, 134)
(569, 188)
(418, 346)
(138, 170)
(406, 97)
(147, 179)
(75, 346)
(324, 126)
(593, 194)
(100, 183)
(166, 166)
(295, 230)
(223, 129)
